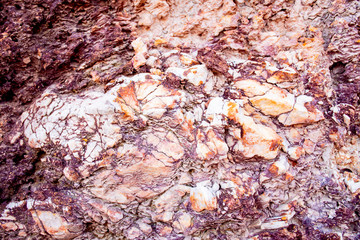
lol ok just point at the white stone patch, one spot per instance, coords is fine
(90, 123)
(300, 114)
(215, 111)
(252, 87)
(203, 196)
(140, 51)
(196, 75)
(274, 102)
(352, 182)
(282, 165)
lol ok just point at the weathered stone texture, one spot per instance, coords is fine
(169, 119)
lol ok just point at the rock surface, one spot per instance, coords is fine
(169, 119)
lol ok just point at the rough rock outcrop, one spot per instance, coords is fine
(169, 119)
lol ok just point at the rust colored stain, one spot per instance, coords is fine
(232, 111)
(128, 95)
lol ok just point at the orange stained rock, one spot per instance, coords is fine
(200, 136)
(95, 76)
(259, 140)
(171, 147)
(139, 179)
(285, 75)
(274, 102)
(164, 231)
(308, 41)
(184, 222)
(120, 194)
(188, 127)
(279, 167)
(71, 174)
(202, 149)
(138, 60)
(9, 226)
(188, 61)
(162, 92)
(52, 223)
(203, 199)
(294, 135)
(140, 50)
(304, 112)
(128, 112)
(254, 139)
(274, 169)
(186, 124)
(160, 41)
(240, 191)
(289, 177)
(252, 87)
(216, 144)
(128, 95)
(149, 168)
(295, 152)
(309, 146)
(143, 89)
(312, 29)
(106, 161)
(154, 103)
(139, 171)
(232, 110)
(334, 136)
(155, 98)
(115, 214)
(156, 71)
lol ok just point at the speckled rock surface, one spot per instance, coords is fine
(168, 119)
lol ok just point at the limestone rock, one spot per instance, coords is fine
(253, 139)
(184, 222)
(210, 145)
(140, 50)
(203, 197)
(179, 119)
(196, 75)
(155, 169)
(287, 74)
(53, 224)
(304, 112)
(274, 102)
(252, 87)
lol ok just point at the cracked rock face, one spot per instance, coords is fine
(167, 119)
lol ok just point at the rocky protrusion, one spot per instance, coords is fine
(304, 112)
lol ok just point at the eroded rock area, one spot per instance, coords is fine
(167, 119)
